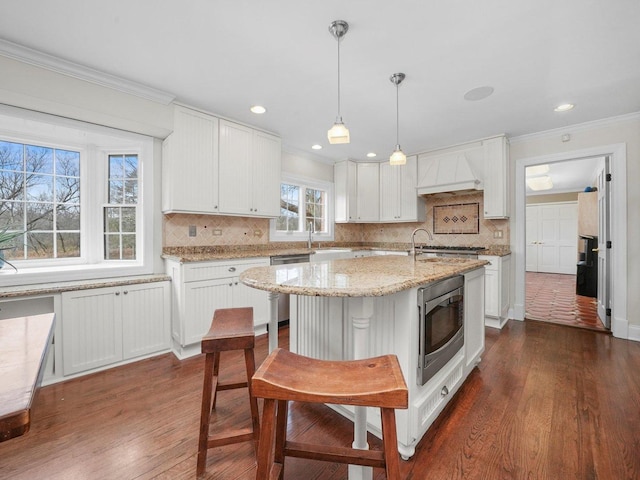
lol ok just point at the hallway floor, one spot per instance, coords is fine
(551, 297)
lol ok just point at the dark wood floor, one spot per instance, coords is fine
(546, 402)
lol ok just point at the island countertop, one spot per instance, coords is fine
(357, 277)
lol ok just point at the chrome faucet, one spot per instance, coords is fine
(311, 231)
(413, 240)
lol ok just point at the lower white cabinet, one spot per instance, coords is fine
(102, 326)
(497, 289)
(199, 288)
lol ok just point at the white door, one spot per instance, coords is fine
(532, 238)
(604, 236)
(555, 244)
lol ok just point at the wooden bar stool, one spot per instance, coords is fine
(231, 329)
(285, 376)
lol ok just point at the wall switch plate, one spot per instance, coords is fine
(192, 230)
(217, 231)
(257, 233)
(497, 234)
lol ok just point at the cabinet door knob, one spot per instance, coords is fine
(445, 391)
(232, 269)
(126, 291)
(231, 284)
(236, 283)
(117, 293)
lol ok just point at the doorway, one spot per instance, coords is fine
(617, 265)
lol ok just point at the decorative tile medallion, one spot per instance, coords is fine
(458, 218)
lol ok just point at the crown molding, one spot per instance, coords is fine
(578, 127)
(58, 65)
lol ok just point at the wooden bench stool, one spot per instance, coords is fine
(231, 329)
(285, 376)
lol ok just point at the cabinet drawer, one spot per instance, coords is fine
(199, 271)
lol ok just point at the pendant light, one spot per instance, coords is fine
(397, 157)
(339, 133)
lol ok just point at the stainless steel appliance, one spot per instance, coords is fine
(283, 298)
(441, 325)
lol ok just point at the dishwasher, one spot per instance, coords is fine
(283, 298)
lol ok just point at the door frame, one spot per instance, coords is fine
(618, 280)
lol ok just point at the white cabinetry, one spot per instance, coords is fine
(190, 164)
(345, 181)
(497, 290)
(103, 326)
(496, 173)
(368, 192)
(249, 171)
(399, 201)
(202, 287)
(210, 165)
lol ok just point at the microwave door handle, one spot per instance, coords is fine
(421, 340)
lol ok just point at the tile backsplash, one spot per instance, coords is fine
(252, 231)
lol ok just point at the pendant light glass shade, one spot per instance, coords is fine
(339, 133)
(397, 157)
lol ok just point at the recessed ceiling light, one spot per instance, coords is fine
(479, 93)
(316, 147)
(371, 154)
(564, 107)
(258, 109)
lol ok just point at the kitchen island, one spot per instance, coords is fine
(362, 307)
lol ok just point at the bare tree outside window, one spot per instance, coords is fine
(40, 194)
(120, 213)
(300, 202)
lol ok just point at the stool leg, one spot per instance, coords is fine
(250, 365)
(215, 374)
(267, 435)
(205, 413)
(390, 443)
(281, 434)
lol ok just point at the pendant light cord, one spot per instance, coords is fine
(339, 114)
(397, 116)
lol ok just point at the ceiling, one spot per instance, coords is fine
(226, 55)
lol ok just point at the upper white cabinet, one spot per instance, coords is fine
(398, 199)
(212, 165)
(249, 171)
(377, 192)
(496, 168)
(190, 164)
(368, 192)
(344, 177)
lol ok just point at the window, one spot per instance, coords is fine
(76, 189)
(40, 194)
(120, 213)
(304, 207)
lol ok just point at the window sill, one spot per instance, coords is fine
(39, 275)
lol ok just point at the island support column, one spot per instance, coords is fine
(273, 321)
(362, 311)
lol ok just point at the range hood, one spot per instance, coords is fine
(448, 173)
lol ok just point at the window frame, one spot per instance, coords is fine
(95, 143)
(299, 236)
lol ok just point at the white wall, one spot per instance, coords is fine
(618, 130)
(305, 165)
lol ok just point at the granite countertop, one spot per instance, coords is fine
(229, 252)
(49, 288)
(358, 277)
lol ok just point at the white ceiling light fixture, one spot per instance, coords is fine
(339, 133)
(540, 183)
(258, 109)
(537, 170)
(316, 147)
(371, 155)
(565, 107)
(397, 157)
